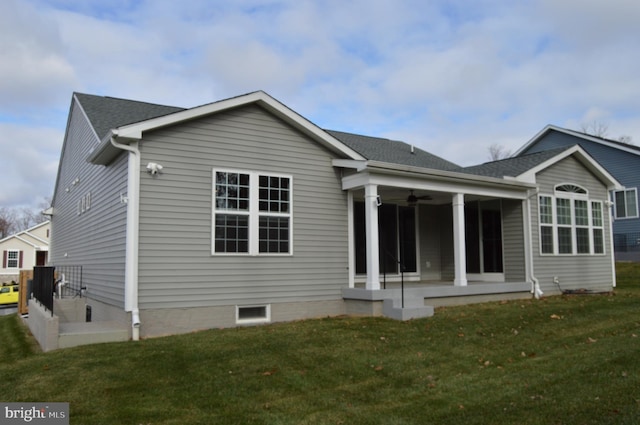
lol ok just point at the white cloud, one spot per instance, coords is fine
(33, 66)
(29, 163)
(452, 77)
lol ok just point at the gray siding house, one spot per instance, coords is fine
(622, 161)
(243, 212)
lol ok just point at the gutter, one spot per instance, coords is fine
(400, 170)
(132, 234)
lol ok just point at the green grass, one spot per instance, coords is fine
(560, 360)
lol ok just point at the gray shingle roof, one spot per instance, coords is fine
(385, 150)
(106, 113)
(513, 166)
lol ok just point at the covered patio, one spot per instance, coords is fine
(420, 237)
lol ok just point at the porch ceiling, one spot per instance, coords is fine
(399, 195)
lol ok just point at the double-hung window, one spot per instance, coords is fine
(252, 213)
(626, 203)
(13, 259)
(570, 223)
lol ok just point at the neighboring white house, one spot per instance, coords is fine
(24, 250)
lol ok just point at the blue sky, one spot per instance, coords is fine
(452, 77)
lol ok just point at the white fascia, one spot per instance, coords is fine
(357, 165)
(26, 241)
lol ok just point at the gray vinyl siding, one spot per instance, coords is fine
(573, 271)
(94, 239)
(622, 165)
(513, 241)
(176, 266)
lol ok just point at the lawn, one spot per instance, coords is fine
(559, 360)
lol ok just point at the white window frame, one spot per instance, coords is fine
(9, 259)
(253, 213)
(551, 225)
(591, 227)
(632, 191)
(595, 227)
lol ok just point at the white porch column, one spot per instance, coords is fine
(459, 253)
(352, 242)
(371, 223)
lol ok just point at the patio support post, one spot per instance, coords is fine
(371, 223)
(459, 254)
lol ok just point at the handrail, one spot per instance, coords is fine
(69, 281)
(402, 269)
(61, 280)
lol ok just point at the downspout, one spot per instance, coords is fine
(132, 234)
(535, 284)
(612, 248)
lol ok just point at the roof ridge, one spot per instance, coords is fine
(362, 135)
(128, 100)
(106, 112)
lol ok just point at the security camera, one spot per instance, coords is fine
(153, 168)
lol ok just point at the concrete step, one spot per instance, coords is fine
(392, 308)
(74, 334)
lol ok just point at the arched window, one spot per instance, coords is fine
(571, 188)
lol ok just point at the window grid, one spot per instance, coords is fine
(12, 259)
(274, 234)
(232, 233)
(563, 214)
(546, 225)
(581, 211)
(598, 227)
(546, 210)
(232, 191)
(274, 194)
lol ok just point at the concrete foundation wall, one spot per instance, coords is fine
(8, 278)
(363, 308)
(70, 309)
(160, 322)
(43, 326)
(101, 312)
(453, 301)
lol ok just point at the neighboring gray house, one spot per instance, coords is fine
(622, 161)
(242, 211)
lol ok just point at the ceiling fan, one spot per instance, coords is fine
(412, 199)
